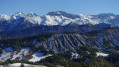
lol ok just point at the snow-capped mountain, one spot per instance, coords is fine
(20, 21)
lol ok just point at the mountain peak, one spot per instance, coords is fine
(57, 13)
(63, 13)
(19, 14)
(31, 14)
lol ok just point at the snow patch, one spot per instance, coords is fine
(25, 64)
(102, 54)
(75, 55)
(18, 64)
(38, 56)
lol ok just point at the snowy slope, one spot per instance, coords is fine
(5, 56)
(10, 54)
(21, 54)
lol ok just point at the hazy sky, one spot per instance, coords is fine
(42, 7)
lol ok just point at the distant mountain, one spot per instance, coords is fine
(19, 21)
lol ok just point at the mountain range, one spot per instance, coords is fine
(20, 21)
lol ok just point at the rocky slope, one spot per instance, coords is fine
(104, 39)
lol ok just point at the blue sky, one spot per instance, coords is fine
(42, 7)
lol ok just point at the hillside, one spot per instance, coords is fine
(56, 45)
